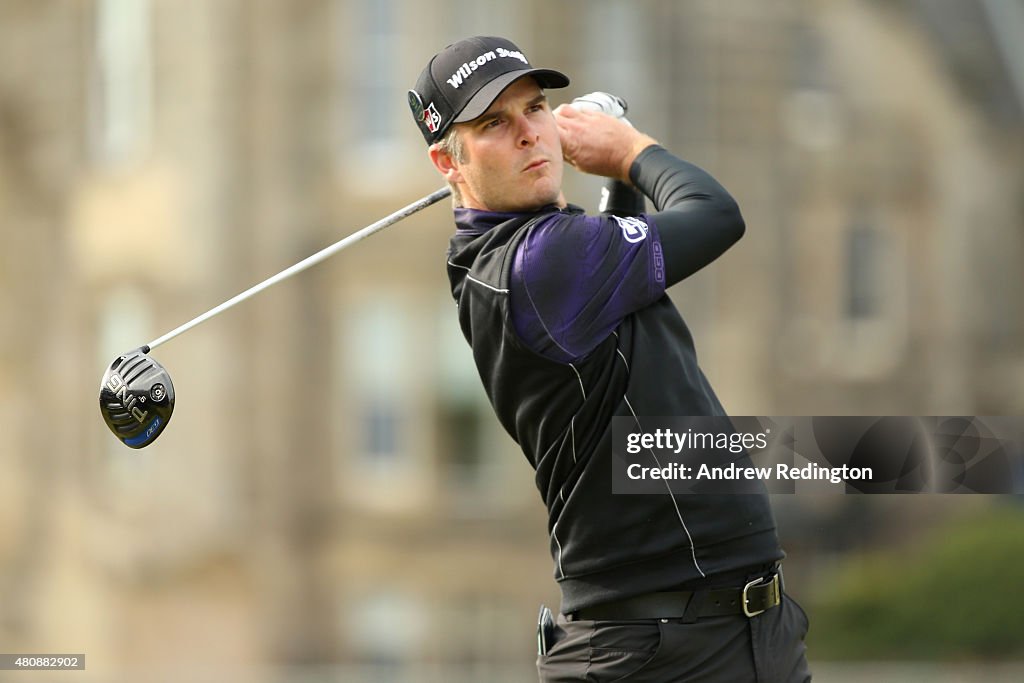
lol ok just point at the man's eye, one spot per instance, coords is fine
(492, 123)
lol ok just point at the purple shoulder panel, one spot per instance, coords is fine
(575, 277)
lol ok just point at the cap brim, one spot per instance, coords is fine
(478, 104)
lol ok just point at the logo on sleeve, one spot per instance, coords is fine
(633, 229)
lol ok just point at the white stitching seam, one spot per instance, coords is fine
(491, 287)
(580, 378)
(671, 496)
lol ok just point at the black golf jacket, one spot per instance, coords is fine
(570, 326)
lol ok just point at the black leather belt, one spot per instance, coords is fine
(756, 597)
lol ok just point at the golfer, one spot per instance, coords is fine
(570, 327)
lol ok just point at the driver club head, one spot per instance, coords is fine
(136, 398)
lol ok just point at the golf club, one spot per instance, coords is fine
(136, 393)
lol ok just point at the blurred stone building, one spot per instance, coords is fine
(333, 490)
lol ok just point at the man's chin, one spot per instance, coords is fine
(533, 200)
(541, 203)
(547, 197)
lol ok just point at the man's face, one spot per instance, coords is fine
(513, 154)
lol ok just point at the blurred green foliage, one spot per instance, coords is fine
(955, 594)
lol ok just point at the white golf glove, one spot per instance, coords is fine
(602, 102)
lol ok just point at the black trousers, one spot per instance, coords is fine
(768, 648)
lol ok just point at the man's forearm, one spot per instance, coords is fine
(697, 218)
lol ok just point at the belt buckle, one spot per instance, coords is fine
(774, 581)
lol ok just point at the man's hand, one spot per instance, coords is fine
(600, 144)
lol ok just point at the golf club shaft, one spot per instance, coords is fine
(316, 258)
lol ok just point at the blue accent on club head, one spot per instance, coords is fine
(151, 429)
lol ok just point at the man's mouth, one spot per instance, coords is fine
(535, 165)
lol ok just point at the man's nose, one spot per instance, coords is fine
(527, 133)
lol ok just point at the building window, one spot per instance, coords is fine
(462, 406)
(863, 274)
(371, 93)
(380, 445)
(460, 444)
(121, 84)
(481, 471)
(617, 58)
(385, 631)
(380, 427)
(614, 59)
(378, 83)
(812, 114)
(872, 310)
(375, 376)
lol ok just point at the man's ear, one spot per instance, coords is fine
(444, 163)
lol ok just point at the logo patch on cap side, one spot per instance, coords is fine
(416, 105)
(431, 118)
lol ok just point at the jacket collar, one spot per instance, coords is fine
(477, 221)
